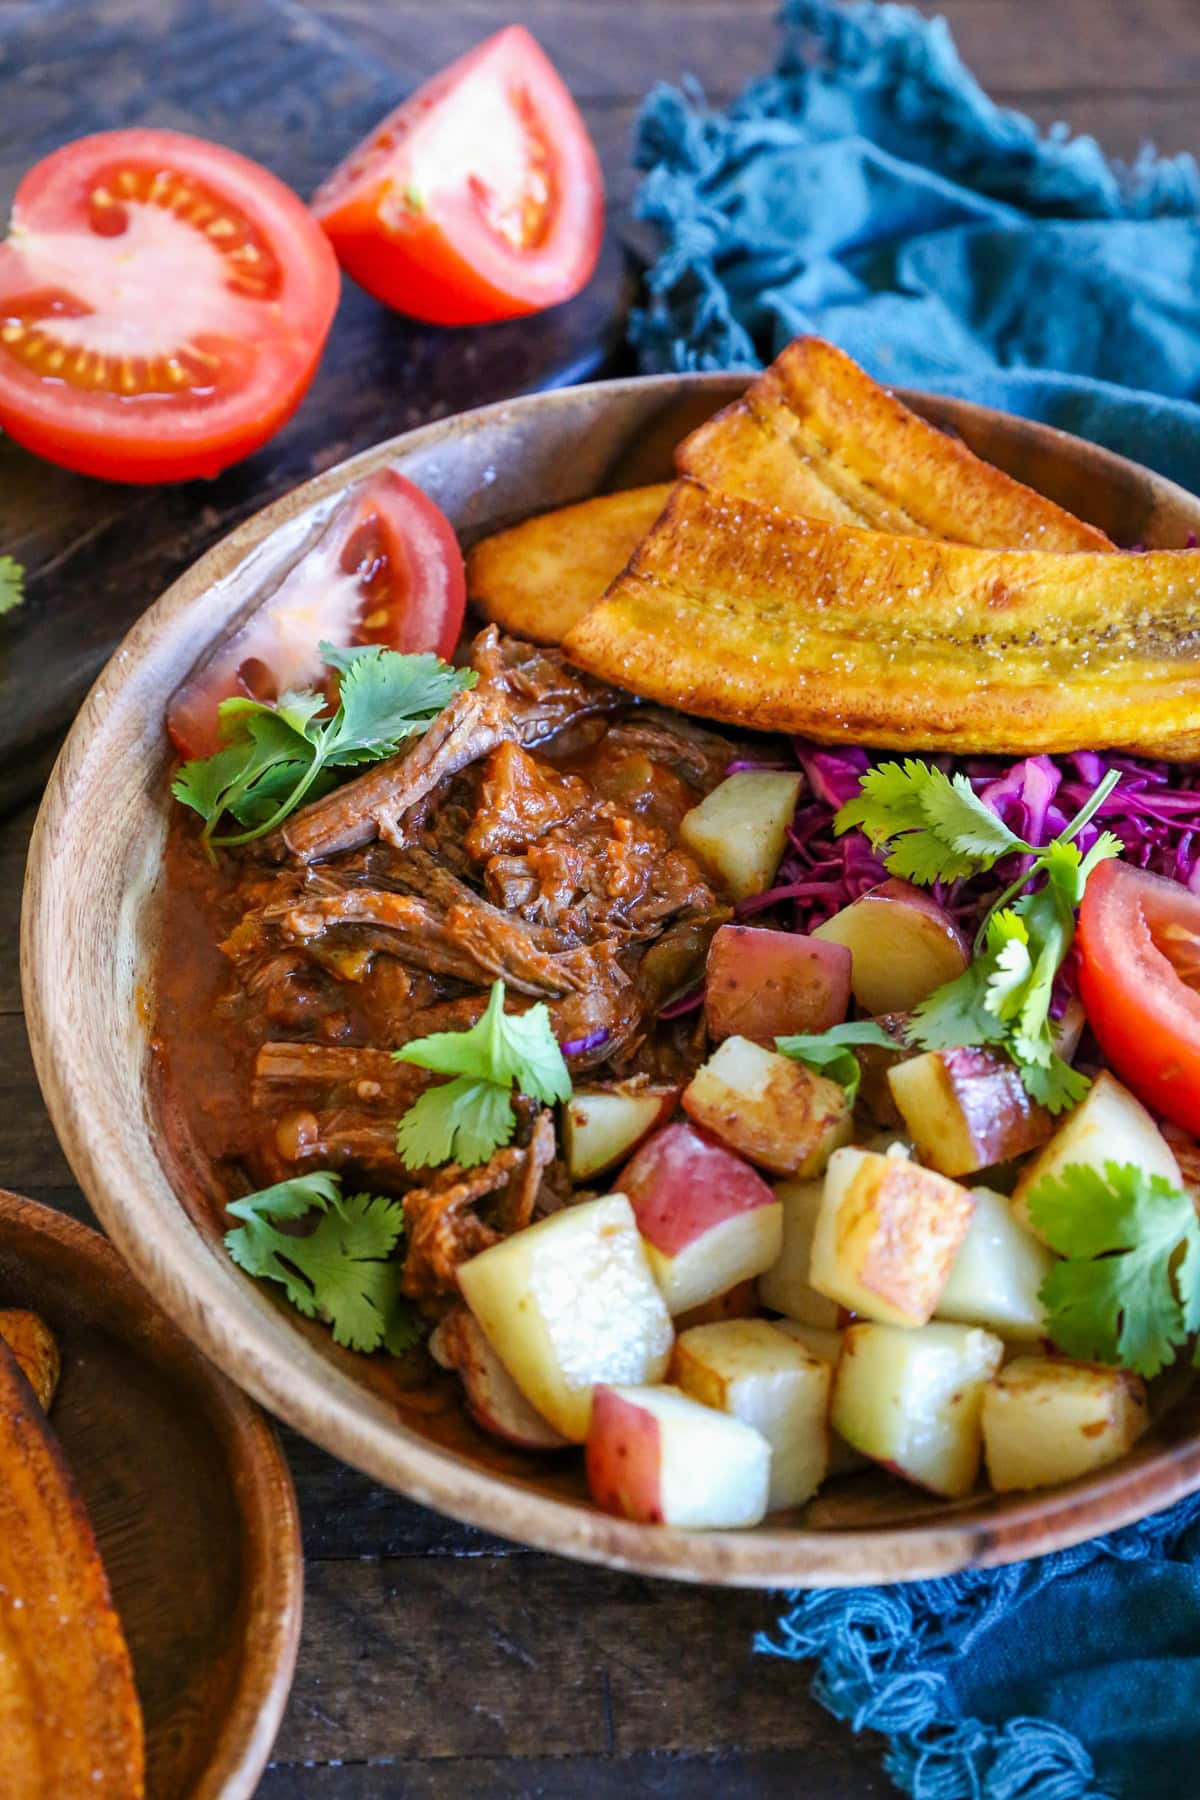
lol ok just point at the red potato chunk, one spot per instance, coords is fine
(707, 1219)
(767, 984)
(493, 1398)
(966, 1109)
(903, 945)
(656, 1456)
(602, 1125)
(771, 1110)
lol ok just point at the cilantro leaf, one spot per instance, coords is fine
(1129, 1289)
(461, 1121)
(275, 756)
(12, 584)
(466, 1119)
(956, 1014)
(1011, 966)
(938, 827)
(1054, 1085)
(500, 1047)
(831, 1052)
(342, 1271)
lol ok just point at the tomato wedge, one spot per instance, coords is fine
(386, 570)
(1139, 980)
(163, 305)
(479, 198)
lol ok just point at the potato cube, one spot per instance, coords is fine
(887, 1235)
(785, 1287)
(912, 1399)
(655, 1455)
(1046, 1420)
(569, 1302)
(768, 1108)
(997, 1276)
(766, 1378)
(739, 831)
(1108, 1125)
(966, 1109)
(767, 984)
(903, 946)
(828, 1346)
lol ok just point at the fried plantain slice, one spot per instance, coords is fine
(538, 577)
(70, 1722)
(750, 616)
(817, 437)
(32, 1343)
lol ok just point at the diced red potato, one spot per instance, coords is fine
(1108, 1125)
(912, 1400)
(740, 1302)
(570, 1302)
(902, 944)
(997, 1276)
(967, 1109)
(766, 1107)
(785, 1287)
(601, 1126)
(767, 984)
(708, 1220)
(887, 1235)
(493, 1398)
(656, 1456)
(1046, 1420)
(769, 1380)
(738, 832)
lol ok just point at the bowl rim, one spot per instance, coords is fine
(305, 1390)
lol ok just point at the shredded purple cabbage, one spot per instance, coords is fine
(592, 1041)
(1155, 811)
(687, 1003)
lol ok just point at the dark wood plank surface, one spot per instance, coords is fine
(438, 1662)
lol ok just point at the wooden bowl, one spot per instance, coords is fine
(191, 1503)
(88, 937)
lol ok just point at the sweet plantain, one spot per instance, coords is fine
(32, 1343)
(756, 618)
(70, 1722)
(540, 576)
(816, 436)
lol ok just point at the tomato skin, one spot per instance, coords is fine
(1145, 1018)
(274, 342)
(427, 250)
(386, 570)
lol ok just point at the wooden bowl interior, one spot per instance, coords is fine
(88, 937)
(190, 1500)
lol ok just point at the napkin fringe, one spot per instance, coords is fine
(881, 1654)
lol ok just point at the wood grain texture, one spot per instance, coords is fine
(1126, 74)
(190, 1502)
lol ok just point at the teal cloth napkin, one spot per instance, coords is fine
(869, 191)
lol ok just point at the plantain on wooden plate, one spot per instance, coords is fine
(830, 564)
(70, 1722)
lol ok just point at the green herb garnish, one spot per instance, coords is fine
(276, 756)
(466, 1119)
(343, 1271)
(12, 583)
(831, 1052)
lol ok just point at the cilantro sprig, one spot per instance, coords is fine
(1128, 1290)
(466, 1119)
(275, 756)
(831, 1052)
(936, 828)
(12, 584)
(343, 1271)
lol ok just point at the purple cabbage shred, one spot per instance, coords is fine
(593, 1041)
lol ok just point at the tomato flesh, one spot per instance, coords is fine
(386, 570)
(479, 198)
(1139, 941)
(163, 305)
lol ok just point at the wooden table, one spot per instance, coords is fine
(437, 1661)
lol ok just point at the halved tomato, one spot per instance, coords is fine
(163, 305)
(479, 198)
(1139, 980)
(386, 570)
